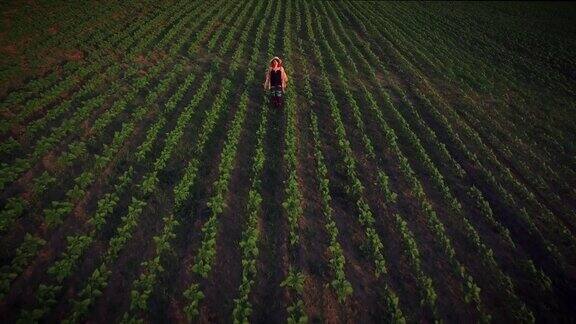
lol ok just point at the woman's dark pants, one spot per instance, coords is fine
(276, 96)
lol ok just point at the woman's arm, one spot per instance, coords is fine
(284, 78)
(267, 80)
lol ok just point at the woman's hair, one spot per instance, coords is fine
(277, 60)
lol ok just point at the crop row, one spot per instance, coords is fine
(292, 204)
(100, 16)
(76, 75)
(356, 189)
(251, 233)
(78, 244)
(143, 286)
(46, 143)
(473, 236)
(204, 259)
(427, 290)
(503, 141)
(99, 278)
(500, 175)
(119, 241)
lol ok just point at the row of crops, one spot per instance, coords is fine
(149, 179)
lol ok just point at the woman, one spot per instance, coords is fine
(276, 80)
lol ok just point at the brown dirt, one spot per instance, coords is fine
(7, 114)
(74, 55)
(11, 49)
(18, 130)
(49, 162)
(53, 30)
(117, 15)
(141, 59)
(176, 311)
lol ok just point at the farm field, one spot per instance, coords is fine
(421, 169)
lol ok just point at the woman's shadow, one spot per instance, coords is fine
(274, 227)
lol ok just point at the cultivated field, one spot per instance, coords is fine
(422, 169)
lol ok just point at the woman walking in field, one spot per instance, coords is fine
(276, 80)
